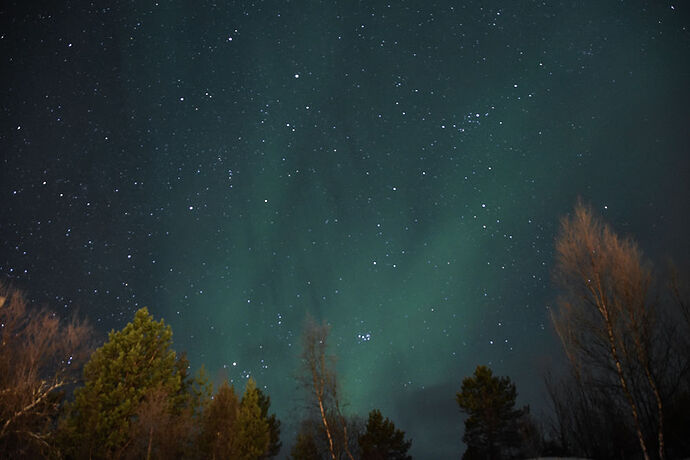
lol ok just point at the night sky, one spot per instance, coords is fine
(395, 169)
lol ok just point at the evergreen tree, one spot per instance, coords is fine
(274, 443)
(133, 363)
(252, 427)
(305, 448)
(491, 430)
(382, 441)
(218, 423)
(234, 429)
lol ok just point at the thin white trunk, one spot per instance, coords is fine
(602, 305)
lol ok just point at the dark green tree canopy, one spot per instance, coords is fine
(252, 431)
(491, 429)
(382, 441)
(306, 447)
(274, 444)
(134, 362)
(233, 428)
(218, 421)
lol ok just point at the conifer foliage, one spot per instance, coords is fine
(218, 421)
(491, 429)
(133, 364)
(235, 429)
(252, 432)
(306, 447)
(274, 443)
(382, 441)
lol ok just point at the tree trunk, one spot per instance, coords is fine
(643, 356)
(328, 431)
(148, 449)
(347, 446)
(624, 384)
(318, 391)
(659, 410)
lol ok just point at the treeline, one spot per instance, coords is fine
(624, 328)
(136, 398)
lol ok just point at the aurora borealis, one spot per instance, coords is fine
(396, 169)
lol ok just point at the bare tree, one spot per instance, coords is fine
(606, 320)
(581, 423)
(680, 297)
(160, 430)
(321, 382)
(39, 355)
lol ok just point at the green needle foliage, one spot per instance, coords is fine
(491, 430)
(253, 435)
(274, 443)
(234, 429)
(382, 441)
(305, 447)
(219, 419)
(133, 363)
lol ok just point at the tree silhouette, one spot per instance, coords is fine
(491, 429)
(306, 446)
(233, 428)
(382, 441)
(274, 444)
(218, 422)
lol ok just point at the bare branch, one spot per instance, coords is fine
(39, 354)
(605, 317)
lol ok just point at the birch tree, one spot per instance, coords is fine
(320, 380)
(605, 318)
(39, 355)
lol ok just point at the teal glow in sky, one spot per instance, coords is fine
(397, 170)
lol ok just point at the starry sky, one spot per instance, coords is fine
(397, 169)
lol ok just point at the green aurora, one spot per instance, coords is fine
(397, 170)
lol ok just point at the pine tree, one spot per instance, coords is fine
(235, 429)
(306, 447)
(133, 363)
(252, 427)
(274, 444)
(491, 430)
(382, 441)
(218, 422)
